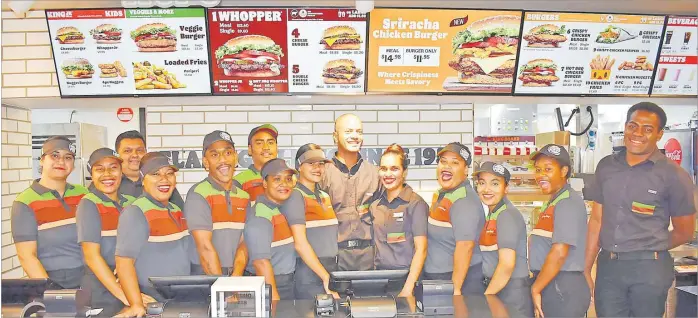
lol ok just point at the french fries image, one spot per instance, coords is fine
(601, 67)
(148, 76)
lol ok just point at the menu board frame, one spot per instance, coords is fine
(212, 63)
(656, 66)
(55, 63)
(656, 58)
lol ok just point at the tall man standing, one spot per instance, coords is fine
(636, 194)
(262, 147)
(351, 183)
(130, 145)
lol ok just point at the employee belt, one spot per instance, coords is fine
(523, 282)
(633, 256)
(355, 244)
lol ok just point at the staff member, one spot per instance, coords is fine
(503, 241)
(456, 219)
(262, 147)
(43, 218)
(215, 211)
(313, 223)
(152, 236)
(558, 241)
(352, 183)
(268, 235)
(130, 146)
(637, 193)
(97, 218)
(400, 220)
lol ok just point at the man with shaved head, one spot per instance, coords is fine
(351, 183)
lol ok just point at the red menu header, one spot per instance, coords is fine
(86, 14)
(682, 21)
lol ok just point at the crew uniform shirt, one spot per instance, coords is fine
(40, 214)
(155, 236)
(455, 215)
(268, 236)
(639, 201)
(210, 207)
(135, 189)
(314, 210)
(504, 228)
(250, 181)
(563, 220)
(395, 225)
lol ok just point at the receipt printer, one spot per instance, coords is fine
(66, 303)
(434, 297)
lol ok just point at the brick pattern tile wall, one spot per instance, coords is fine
(16, 176)
(183, 127)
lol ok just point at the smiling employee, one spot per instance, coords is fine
(43, 218)
(637, 193)
(503, 241)
(400, 220)
(262, 147)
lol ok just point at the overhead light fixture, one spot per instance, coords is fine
(365, 6)
(167, 3)
(20, 7)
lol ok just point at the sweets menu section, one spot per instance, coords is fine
(270, 50)
(587, 54)
(678, 63)
(130, 51)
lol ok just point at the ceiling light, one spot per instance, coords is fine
(20, 7)
(365, 6)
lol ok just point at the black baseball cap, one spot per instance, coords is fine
(268, 127)
(100, 154)
(58, 143)
(311, 156)
(274, 167)
(495, 169)
(217, 135)
(557, 152)
(153, 161)
(459, 149)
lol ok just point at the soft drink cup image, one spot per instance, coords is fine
(686, 37)
(662, 74)
(677, 75)
(668, 37)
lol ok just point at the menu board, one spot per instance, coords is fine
(444, 51)
(102, 52)
(587, 54)
(678, 63)
(276, 50)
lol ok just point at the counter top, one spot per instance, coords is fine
(684, 251)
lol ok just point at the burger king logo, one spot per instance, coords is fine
(498, 169)
(672, 150)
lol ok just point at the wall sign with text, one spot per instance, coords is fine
(678, 63)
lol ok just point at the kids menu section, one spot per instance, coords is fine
(237, 51)
(130, 51)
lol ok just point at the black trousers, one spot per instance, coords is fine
(516, 295)
(100, 297)
(473, 280)
(284, 285)
(198, 270)
(307, 285)
(355, 259)
(632, 284)
(67, 278)
(567, 295)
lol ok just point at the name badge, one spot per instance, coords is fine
(398, 214)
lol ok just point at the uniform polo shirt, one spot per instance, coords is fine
(42, 215)
(135, 189)
(210, 207)
(504, 228)
(250, 181)
(314, 210)
(156, 237)
(268, 236)
(563, 220)
(351, 190)
(639, 201)
(395, 225)
(455, 215)
(97, 220)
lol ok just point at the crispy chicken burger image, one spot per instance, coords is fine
(106, 34)
(485, 52)
(155, 37)
(341, 72)
(538, 73)
(77, 68)
(250, 56)
(546, 35)
(70, 35)
(341, 37)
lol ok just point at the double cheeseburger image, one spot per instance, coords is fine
(485, 52)
(538, 73)
(546, 35)
(70, 35)
(106, 34)
(341, 37)
(341, 71)
(77, 68)
(155, 37)
(250, 56)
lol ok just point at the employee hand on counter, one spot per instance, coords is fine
(133, 311)
(326, 284)
(537, 303)
(147, 299)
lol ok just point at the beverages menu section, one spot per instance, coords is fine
(444, 51)
(130, 51)
(587, 54)
(270, 50)
(678, 63)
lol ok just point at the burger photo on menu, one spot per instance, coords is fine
(77, 68)
(538, 73)
(546, 35)
(70, 35)
(341, 37)
(155, 37)
(485, 52)
(106, 34)
(250, 56)
(341, 71)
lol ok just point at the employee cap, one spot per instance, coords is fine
(557, 152)
(268, 127)
(217, 135)
(495, 169)
(57, 143)
(311, 156)
(153, 161)
(100, 154)
(274, 167)
(459, 149)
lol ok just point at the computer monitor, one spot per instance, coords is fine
(185, 288)
(25, 290)
(368, 283)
